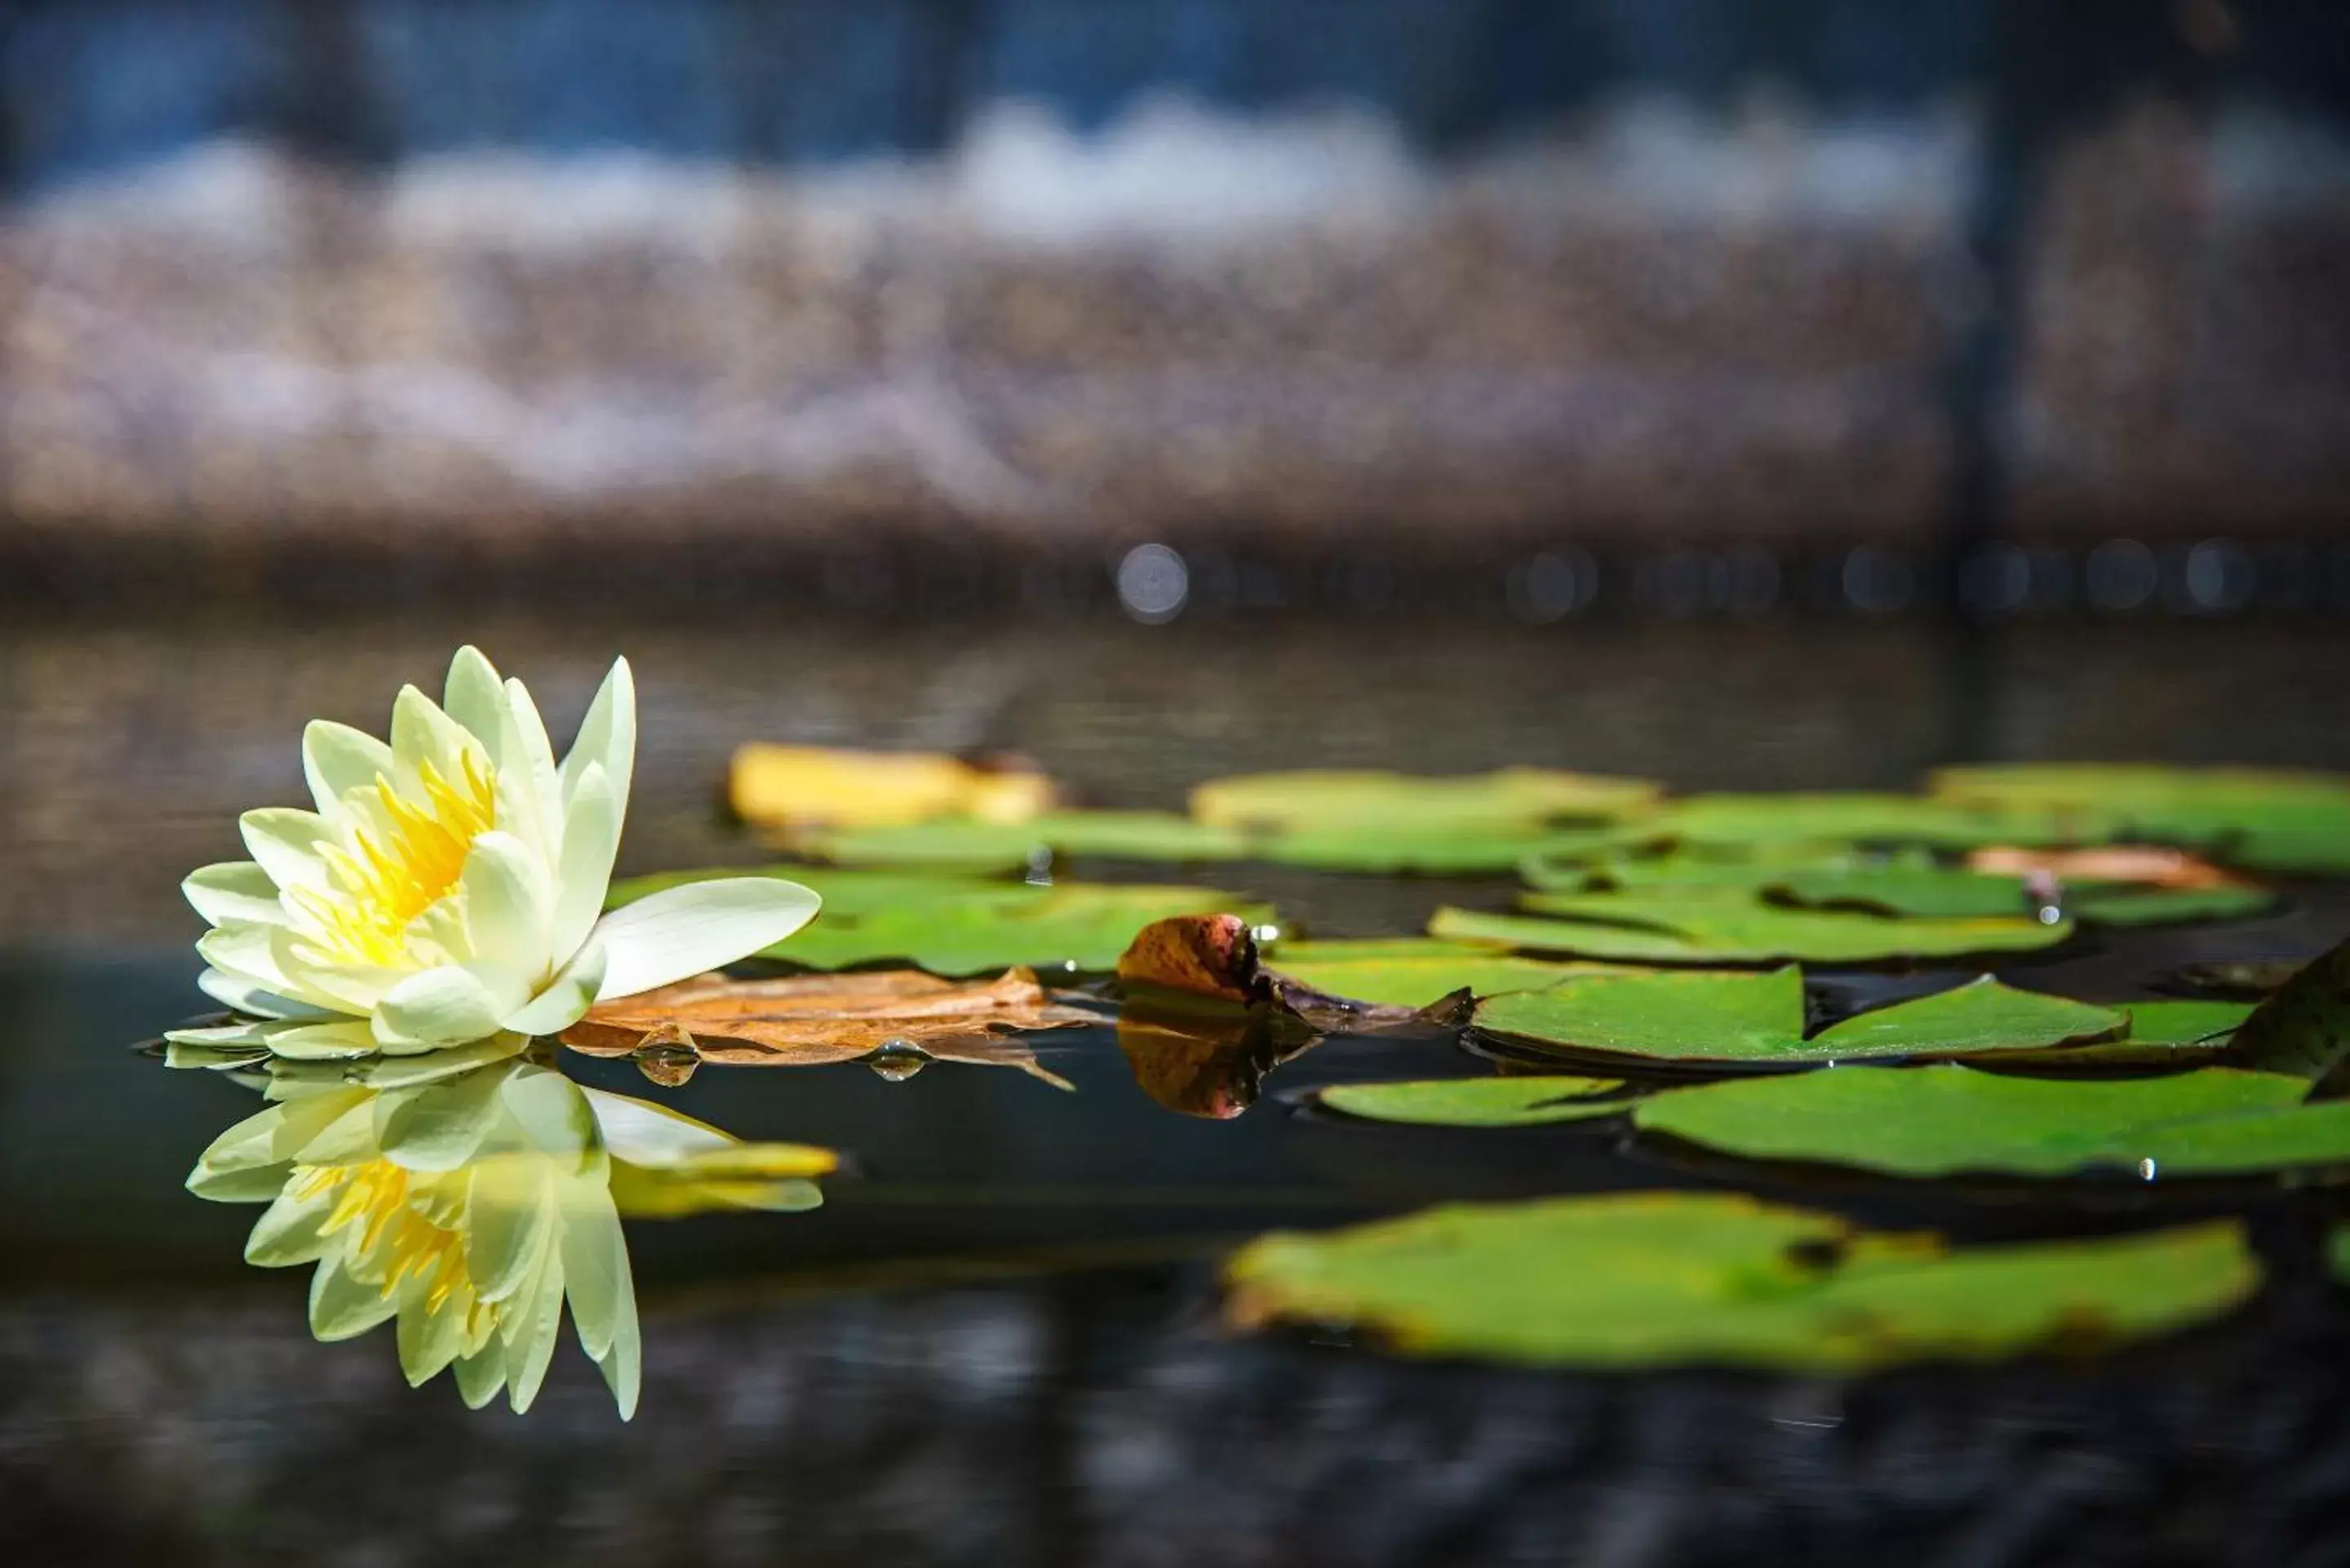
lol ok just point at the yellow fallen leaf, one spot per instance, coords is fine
(795, 787)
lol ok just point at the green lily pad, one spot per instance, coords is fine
(1329, 798)
(2304, 1026)
(1414, 971)
(1948, 1119)
(1476, 1102)
(973, 845)
(1440, 848)
(1632, 928)
(1655, 1279)
(2116, 904)
(2271, 819)
(1757, 1020)
(958, 926)
(1762, 820)
(1907, 891)
(2161, 1034)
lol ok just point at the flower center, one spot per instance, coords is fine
(390, 874)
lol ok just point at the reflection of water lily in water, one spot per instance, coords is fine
(468, 1206)
(450, 885)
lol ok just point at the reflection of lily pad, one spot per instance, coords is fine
(1758, 1019)
(1942, 1120)
(1321, 799)
(1476, 1102)
(1660, 1278)
(963, 926)
(1634, 928)
(974, 845)
(1414, 971)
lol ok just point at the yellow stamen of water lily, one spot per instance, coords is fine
(381, 884)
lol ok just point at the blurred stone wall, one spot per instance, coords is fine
(1063, 270)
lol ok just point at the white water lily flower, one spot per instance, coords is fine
(469, 1208)
(450, 885)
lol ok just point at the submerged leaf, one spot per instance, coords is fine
(1657, 1279)
(1477, 1102)
(1945, 1120)
(1661, 928)
(813, 1019)
(1758, 1020)
(797, 787)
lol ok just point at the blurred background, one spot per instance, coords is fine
(1751, 397)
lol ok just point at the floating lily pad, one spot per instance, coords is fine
(2165, 906)
(1753, 821)
(2161, 1034)
(2270, 819)
(1440, 848)
(1948, 1119)
(958, 925)
(1634, 928)
(972, 843)
(1476, 1102)
(1758, 1020)
(1657, 1278)
(1329, 798)
(1415, 971)
(2304, 1027)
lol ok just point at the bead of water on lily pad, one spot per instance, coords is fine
(1040, 866)
(897, 1059)
(2146, 1170)
(2044, 896)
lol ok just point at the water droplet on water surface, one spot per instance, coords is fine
(2146, 1170)
(669, 1065)
(897, 1059)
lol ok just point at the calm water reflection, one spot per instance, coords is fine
(994, 1342)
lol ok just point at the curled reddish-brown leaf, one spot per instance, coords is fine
(2147, 865)
(1216, 956)
(810, 1020)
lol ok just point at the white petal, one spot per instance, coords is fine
(591, 839)
(336, 1041)
(342, 1307)
(530, 747)
(242, 995)
(446, 1007)
(233, 890)
(509, 905)
(475, 697)
(246, 951)
(567, 997)
(595, 1263)
(422, 733)
(285, 841)
(337, 759)
(307, 974)
(682, 931)
(606, 735)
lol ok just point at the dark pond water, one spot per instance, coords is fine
(998, 1341)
